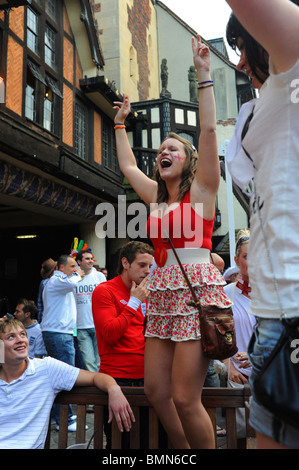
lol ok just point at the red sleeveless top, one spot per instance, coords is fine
(186, 228)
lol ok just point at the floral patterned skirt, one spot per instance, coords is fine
(169, 313)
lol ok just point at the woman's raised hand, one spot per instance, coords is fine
(123, 109)
(201, 55)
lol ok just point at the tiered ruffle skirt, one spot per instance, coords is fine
(169, 313)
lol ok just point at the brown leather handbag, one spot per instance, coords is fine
(217, 326)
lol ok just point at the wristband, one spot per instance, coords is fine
(205, 86)
(134, 303)
(206, 81)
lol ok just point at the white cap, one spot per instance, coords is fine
(229, 271)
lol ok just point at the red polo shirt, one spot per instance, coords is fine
(120, 330)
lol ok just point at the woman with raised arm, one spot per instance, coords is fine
(272, 144)
(182, 200)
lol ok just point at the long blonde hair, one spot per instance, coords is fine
(188, 172)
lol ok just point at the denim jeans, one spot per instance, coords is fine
(61, 347)
(87, 340)
(265, 336)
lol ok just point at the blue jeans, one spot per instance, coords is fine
(87, 340)
(265, 336)
(61, 347)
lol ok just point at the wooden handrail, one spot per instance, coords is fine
(212, 398)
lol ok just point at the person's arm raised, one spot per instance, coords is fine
(144, 186)
(275, 25)
(206, 182)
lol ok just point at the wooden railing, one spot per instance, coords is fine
(212, 398)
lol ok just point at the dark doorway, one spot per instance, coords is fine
(22, 257)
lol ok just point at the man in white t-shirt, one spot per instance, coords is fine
(86, 333)
(28, 388)
(59, 317)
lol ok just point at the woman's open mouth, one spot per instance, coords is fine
(165, 162)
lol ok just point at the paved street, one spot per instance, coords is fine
(72, 435)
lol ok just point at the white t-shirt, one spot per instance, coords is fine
(239, 165)
(25, 403)
(59, 303)
(272, 142)
(244, 322)
(83, 295)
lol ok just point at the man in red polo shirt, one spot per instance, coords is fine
(119, 308)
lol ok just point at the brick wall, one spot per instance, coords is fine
(14, 76)
(67, 116)
(68, 60)
(16, 21)
(72, 73)
(138, 23)
(68, 74)
(97, 138)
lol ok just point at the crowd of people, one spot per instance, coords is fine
(140, 328)
(72, 297)
(41, 357)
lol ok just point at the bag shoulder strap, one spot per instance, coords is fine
(195, 298)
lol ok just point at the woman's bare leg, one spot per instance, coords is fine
(189, 372)
(158, 388)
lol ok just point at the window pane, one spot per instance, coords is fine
(156, 138)
(50, 46)
(144, 138)
(155, 115)
(48, 115)
(32, 30)
(49, 110)
(109, 154)
(30, 104)
(187, 137)
(114, 163)
(50, 7)
(80, 130)
(191, 116)
(30, 95)
(179, 116)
